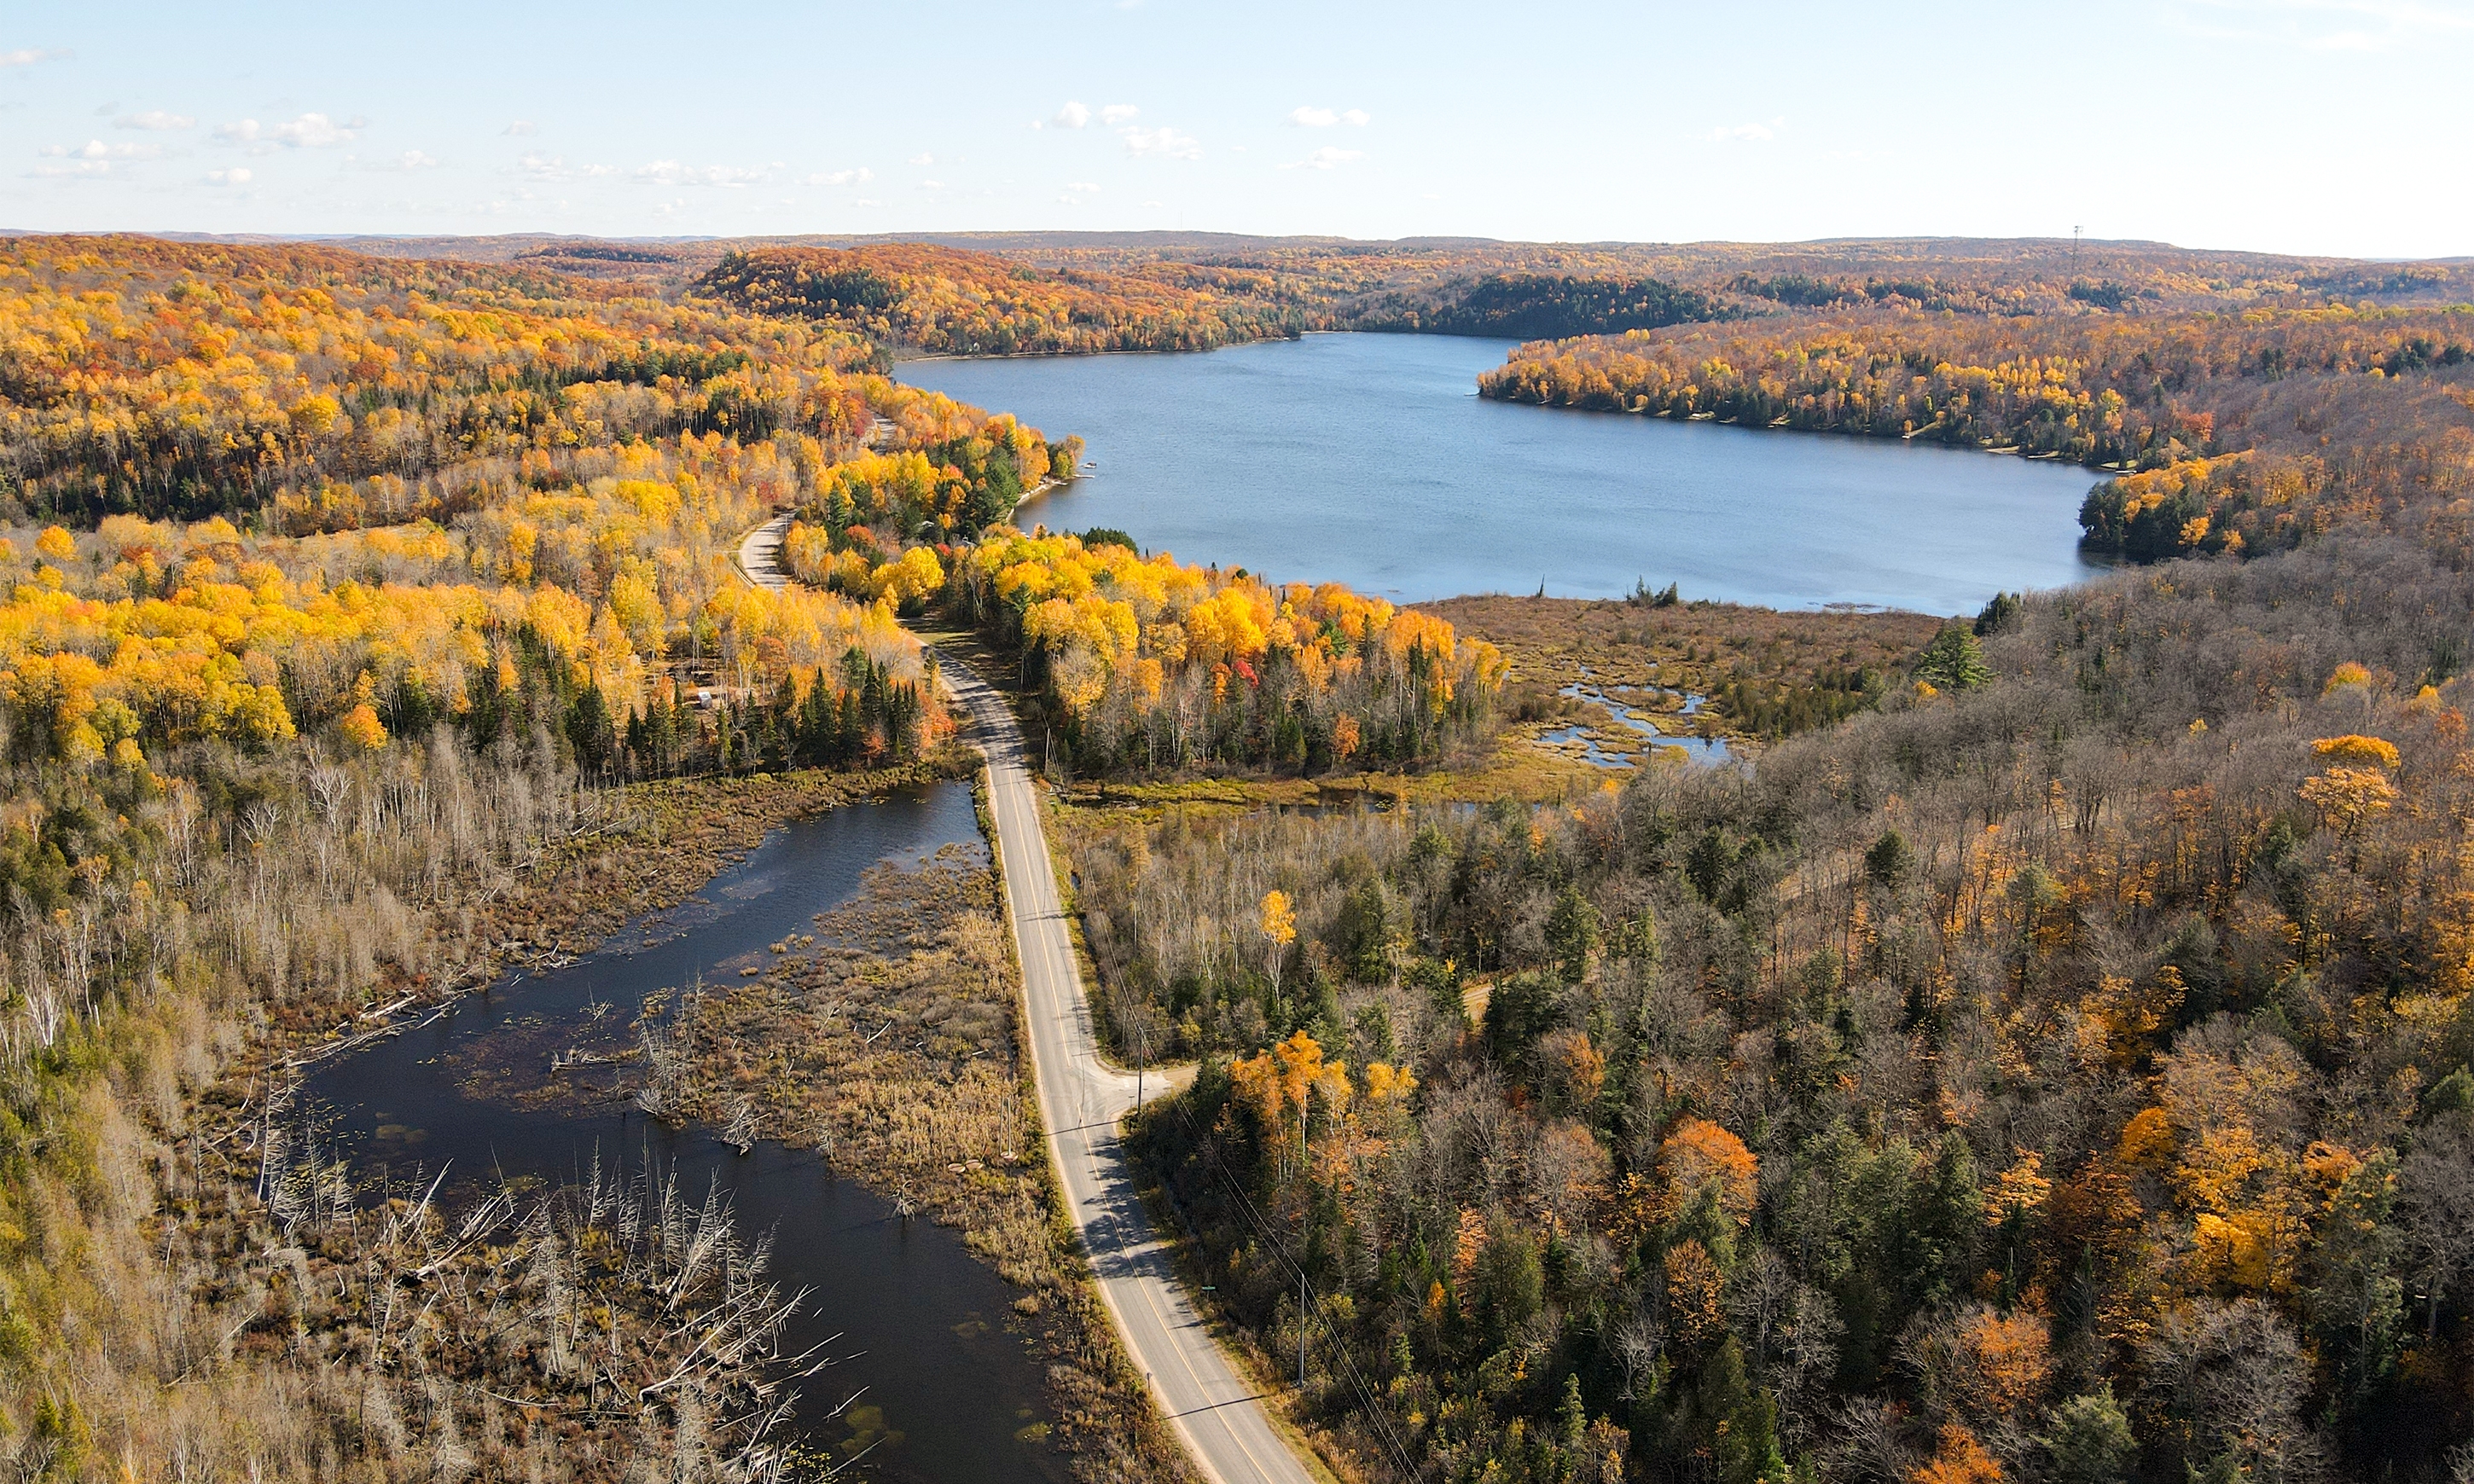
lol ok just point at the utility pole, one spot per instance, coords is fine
(2074, 250)
(1305, 1171)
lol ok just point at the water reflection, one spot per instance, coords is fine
(1707, 751)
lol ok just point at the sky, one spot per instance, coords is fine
(2332, 127)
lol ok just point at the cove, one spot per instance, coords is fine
(1370, 460)
(951, 1388)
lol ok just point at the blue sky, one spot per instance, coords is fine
(2311, 126)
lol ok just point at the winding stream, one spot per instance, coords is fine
(1647, 736)
(952, 1394)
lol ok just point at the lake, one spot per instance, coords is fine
(1370, 460)
(952, 1395)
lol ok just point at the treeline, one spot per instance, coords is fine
(208, 636)
(2155, 395)
(1029, 295)
(1952, 294)
(2141, 392)
(1413, 283)
(949, 489)
(864, 713)
(1778, 710)
(1151, 664)
(1533, 306)
(959, 302)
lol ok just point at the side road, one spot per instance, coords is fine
(1081, 1099)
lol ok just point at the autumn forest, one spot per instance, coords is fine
(2046, 1053)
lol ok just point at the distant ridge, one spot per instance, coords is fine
(507, 245)
(1194, 289)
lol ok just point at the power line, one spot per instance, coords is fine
(1385, 1428)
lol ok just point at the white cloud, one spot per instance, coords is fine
(1308, 116)
(1325, 159)
(310, 131)
(77, 169)
(866, 201)
(931, 186)
(236, 175)
(858, 177)
(1117, 113)
(521, 128)
(1163, 141)
(96, 149)
(408, 160)
(1745, 133)
(923, 159)
(1072, 115)
(670, 171)
(1085, 187)
(27, 57)
(155, 119)
(554, 167)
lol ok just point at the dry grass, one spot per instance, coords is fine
(1689, 646)
(1791, 663)
(1513, 769)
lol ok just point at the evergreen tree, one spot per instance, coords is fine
(2090, 1441)
(1953, 660)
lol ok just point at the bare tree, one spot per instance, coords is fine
(2436, 1197)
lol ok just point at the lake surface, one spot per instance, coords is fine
(1370, 460)
(923, 1326)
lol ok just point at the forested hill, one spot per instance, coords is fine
(969, 303)
(1050, 292)
(1536, 306)
(1045, 294)
(335, 391)
(2242, 435)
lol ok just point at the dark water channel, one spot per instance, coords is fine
(952, 1395)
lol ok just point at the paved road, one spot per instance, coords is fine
(1080, 1100)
